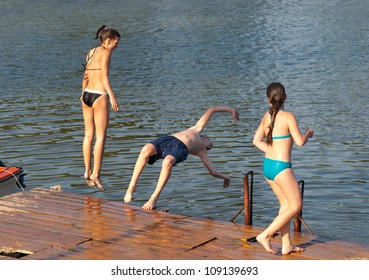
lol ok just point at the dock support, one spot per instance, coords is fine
(298, 217)
(248, 192)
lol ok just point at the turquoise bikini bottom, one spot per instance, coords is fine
(273, 167)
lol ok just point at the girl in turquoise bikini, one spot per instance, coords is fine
(280, 129)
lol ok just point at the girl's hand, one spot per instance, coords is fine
(114, 105)
(309, 132)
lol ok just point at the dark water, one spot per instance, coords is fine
(177, 58)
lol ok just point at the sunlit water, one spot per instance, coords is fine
(177, 58)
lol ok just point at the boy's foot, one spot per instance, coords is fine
(149, 205)
(129, 194)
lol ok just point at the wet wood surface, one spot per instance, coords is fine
(45, 224)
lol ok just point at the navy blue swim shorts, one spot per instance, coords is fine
(169, 145)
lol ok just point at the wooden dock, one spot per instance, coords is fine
(42, 224)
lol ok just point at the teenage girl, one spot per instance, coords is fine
(97, 93)
(280, 130)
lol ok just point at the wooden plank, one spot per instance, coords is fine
(50, 254)
(57, 225)
(53, 238)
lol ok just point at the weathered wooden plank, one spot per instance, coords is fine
(48, 236)
(57, 225)
(21, 243)
(324, 248)
(50, 254)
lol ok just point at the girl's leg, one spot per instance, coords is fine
(286, 189)
(265, 237)
(285, 229)
(292, 205)
(87, 141)
(101, 120)
(147, 151)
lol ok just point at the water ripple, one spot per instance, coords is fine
(175, 59)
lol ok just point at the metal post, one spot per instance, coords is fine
(297, 222)
(248, 189)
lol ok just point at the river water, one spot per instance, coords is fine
(177, 58)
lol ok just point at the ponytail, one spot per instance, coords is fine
(276, 95)
(105, 32)
(273, 113)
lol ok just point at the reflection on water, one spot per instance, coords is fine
(176, 59)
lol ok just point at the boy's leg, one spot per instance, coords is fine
(147, 151)
(166, 170)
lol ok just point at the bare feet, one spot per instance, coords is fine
(97, 183)
(265, 241)
(129, 194)
(150, 204)
(292, 249)
(89, 182)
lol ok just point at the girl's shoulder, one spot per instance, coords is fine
(286, 114)
(287, 117)
(265, 118)
(97, 51)
(92, 50)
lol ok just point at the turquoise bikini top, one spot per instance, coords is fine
(281, 137)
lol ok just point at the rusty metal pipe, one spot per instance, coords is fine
(248, 189)
(297, 221)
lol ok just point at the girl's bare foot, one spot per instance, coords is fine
(97, 182)
(265, 241)
(291, 249)
(129, 194)
(89, 182)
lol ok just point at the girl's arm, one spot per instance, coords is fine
(84, 81)
(299, 138)
(259, 136)
(85, 78)
(105, 62)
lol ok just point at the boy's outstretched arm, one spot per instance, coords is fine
(209, 113)
(209, 166)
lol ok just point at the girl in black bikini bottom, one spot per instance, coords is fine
(90, 96)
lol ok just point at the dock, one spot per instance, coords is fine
(43, 224)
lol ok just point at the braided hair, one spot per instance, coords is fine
(276, 95)
(105, 32)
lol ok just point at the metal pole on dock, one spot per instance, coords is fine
(248, 189)
(297, 221)
(298, 217)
